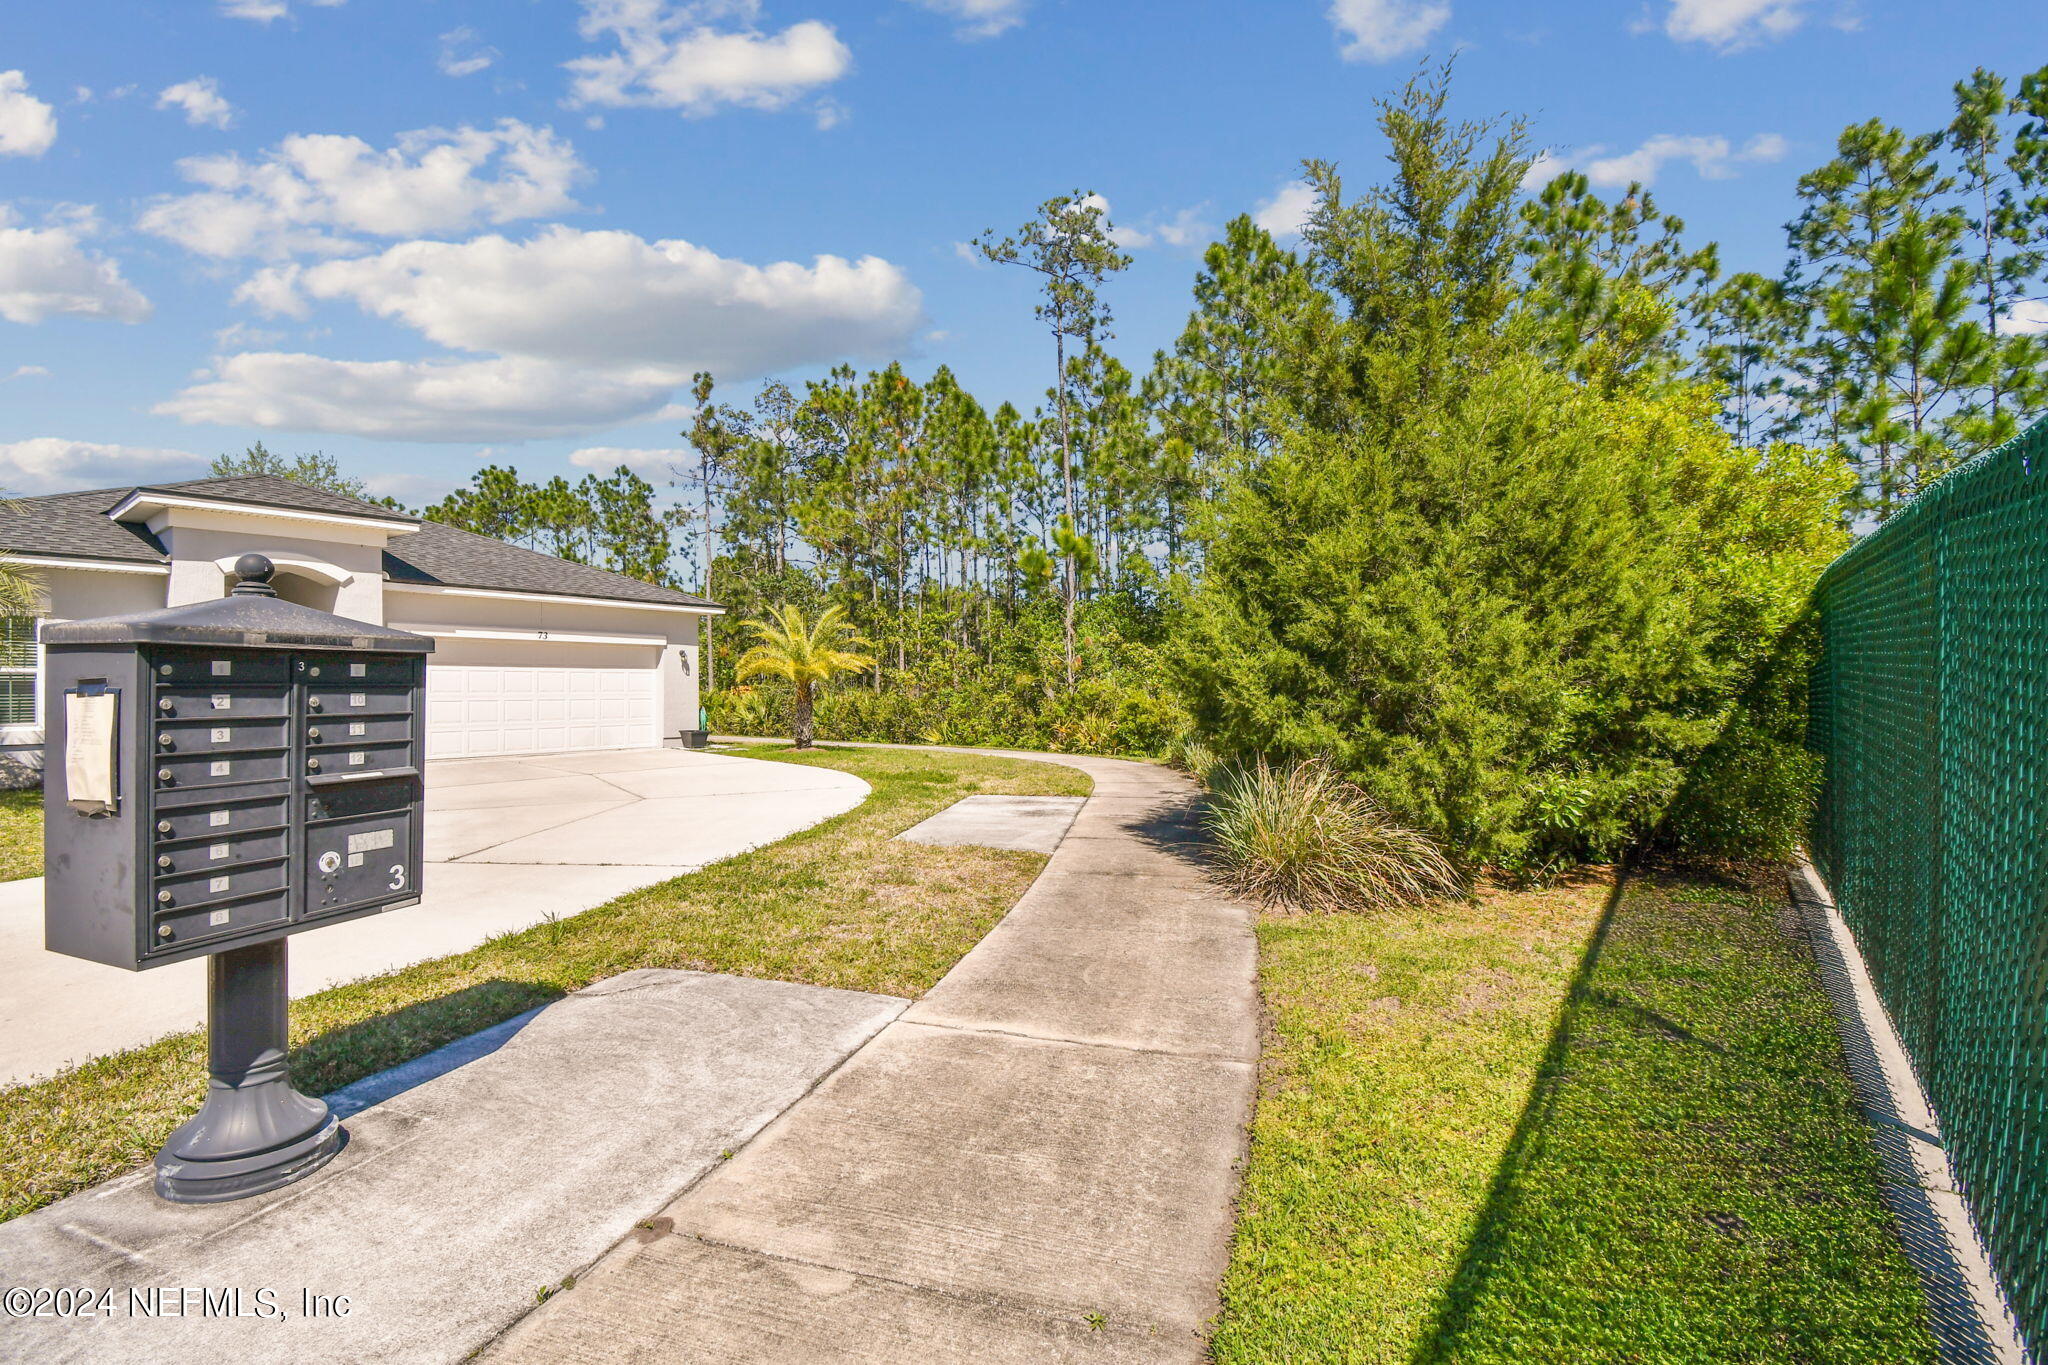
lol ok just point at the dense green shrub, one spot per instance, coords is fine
(1513, 593)
(1749, 795)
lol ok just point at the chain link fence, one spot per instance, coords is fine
(1930, 706)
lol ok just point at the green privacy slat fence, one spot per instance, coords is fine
(1930, 704)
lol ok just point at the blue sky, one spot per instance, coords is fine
(424, 235)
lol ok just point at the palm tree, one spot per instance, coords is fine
(806, 654)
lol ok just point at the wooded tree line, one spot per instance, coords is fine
(1495, 496)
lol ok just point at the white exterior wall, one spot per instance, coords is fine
(354, 567)
(72, 595)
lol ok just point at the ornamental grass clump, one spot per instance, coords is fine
(1298, 836)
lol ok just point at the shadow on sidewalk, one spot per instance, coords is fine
(344, 1056)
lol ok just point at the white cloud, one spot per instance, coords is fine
(1547, 166)
(201, 100)
(506, 399)
(27, 372)
(2028, 317)
(646, 463)
(582, 329)
(464, 54)
(979, 18)
(1186, 227)
(315, 192)
(263, 11)
(1380, 30)
(47, 272)
(1286, 213)
(27, 125)
(1729, 25)
(1712, 157)
(675, 56)
(612, 300)
(51, 464)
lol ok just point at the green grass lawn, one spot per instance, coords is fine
(21, 835)
(837, 905)
(1559, 1126)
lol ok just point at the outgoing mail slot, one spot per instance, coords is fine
(183, 770)
(358, 701)
(226, 667)
(180, 890)
(220, 703)
(343, 731)
(360, 858)
(218, 814)
(220, 853)
(176, 929)
(207, 736)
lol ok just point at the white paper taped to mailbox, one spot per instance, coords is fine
(89, 751)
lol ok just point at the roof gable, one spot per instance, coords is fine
(76, 525)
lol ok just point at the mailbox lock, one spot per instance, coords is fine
(312, 703)
(163, 860)
(163, 898)
(314, 735)
(164, 669)
(163, 774)
(163, 827)
(163, 931)
(166, 742)
(165, 704)
(312, 765)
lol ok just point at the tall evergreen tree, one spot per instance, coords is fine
(1070, 246)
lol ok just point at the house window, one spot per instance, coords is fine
(17, 670)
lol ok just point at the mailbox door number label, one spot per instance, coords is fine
(216, 817)
(356, 727)
(222, 701)
(215, 852)
(219, 768)
(368, 840)
(359, 670)
(220, 734)
(223, 668)
(218, 918)
(218, 883)
(358, 699)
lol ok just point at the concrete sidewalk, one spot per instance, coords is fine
(1034, 1163)
(510, 841)
(457, 1201)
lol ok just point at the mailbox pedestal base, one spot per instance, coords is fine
(255, 1132)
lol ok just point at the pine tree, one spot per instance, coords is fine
(1069, 245)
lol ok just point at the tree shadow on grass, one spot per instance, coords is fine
(1688, 1179)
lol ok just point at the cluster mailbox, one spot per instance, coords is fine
(219, 776)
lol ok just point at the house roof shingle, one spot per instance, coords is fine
(76, 526)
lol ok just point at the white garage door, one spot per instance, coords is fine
(478, 709)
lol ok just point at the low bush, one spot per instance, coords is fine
(1301, 837)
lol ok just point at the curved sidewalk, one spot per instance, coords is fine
(1036, 1162)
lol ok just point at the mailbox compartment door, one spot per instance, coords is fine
(221, 667)
(362, 846)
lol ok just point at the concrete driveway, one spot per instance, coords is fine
(510, 841)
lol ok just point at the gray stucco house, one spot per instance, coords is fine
(533, 654)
